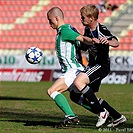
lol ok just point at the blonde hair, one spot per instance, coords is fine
(90, 10)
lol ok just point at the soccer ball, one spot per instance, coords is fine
(34, 55)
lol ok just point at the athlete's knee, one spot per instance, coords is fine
(49, 91)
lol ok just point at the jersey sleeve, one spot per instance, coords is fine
(69, 35)
(107, 33)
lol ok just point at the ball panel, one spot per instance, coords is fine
(33, 55)
(37, 54)
(39, 59)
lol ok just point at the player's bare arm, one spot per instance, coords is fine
(84, 39)
(113, 42)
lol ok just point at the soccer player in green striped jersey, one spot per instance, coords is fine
(66, 42)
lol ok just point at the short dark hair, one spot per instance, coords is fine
(57, 11)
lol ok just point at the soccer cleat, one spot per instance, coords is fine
(102, 117)
(117, 122)
(69, 119)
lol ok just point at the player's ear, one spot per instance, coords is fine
(91, 18)
(57, 18)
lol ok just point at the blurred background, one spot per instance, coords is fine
(23, 23)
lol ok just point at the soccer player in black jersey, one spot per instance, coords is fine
(88, 82)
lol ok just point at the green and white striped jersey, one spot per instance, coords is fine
(66, 48)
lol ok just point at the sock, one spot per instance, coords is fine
(93, 102)
(80, 100)
(87, 105)
(62, 103)
(83, 103)
(111, 110)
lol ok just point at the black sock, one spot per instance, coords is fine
(80, 100)
(111, 110)
(94, 103)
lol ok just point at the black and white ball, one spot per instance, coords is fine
(34, 55)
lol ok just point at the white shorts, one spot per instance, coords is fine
(70, 75)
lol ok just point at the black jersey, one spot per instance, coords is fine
(98, 53)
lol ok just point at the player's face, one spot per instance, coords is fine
(52, 21)
(86, 21)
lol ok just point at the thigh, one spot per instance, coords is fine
(97, 72)
(81, 81)
(69, 76)
(95, 85)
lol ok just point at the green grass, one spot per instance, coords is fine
(26, 108)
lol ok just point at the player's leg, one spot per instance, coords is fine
(79, 99)
(115, 114)
(54, 92)
(118, 118)
(82, 81)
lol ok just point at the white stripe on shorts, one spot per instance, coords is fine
(93, 69)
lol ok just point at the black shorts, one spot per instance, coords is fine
(96, 74)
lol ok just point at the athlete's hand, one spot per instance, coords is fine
(104, 40)
(95, 41)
